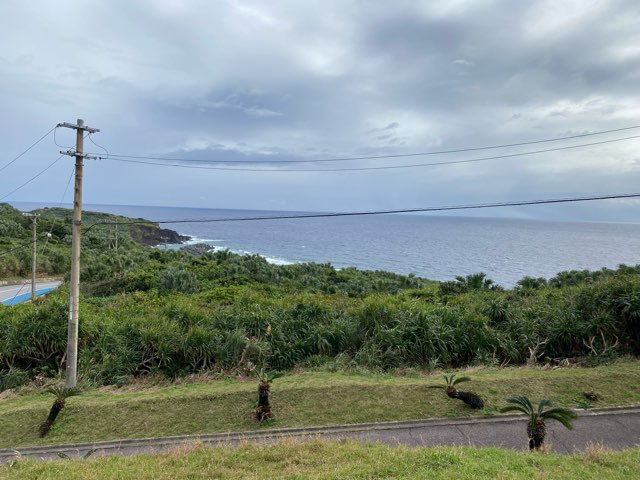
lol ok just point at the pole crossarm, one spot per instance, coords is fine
(73, 153)
(78, 127)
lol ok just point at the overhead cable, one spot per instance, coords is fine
(382, 212)
(376, 157)
(30, 147)
(385, 167)
(34, 177)
(7, 252)
(53, 224)
(99, 146)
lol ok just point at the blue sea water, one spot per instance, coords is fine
(435, 247)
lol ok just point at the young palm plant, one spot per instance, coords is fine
(536, 429)
(470, 398)
(61, 395)
(263, 410)
(450, 384)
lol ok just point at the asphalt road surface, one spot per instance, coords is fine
(19, 293)
(616, 428)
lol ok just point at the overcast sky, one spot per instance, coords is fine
(301, 80)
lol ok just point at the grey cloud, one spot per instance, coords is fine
(283, 81)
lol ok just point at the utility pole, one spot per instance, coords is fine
(74, 299)
(34, 221)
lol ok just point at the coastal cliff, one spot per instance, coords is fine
(153, 235)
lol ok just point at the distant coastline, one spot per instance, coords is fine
(433, 247)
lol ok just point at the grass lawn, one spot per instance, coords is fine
(306, 399)
(344, 459)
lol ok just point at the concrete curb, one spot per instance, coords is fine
(19, 298)
(26, 296)
(212, 439)
(8, 283)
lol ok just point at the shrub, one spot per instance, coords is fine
(178, 279)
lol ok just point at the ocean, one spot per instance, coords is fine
(434, 247)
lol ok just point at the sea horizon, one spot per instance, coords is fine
(438, 247)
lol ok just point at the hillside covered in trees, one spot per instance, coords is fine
(54, 238)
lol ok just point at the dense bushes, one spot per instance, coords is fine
(148, 310)
(278, 323)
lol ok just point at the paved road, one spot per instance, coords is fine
(11, 294)
(613, 428)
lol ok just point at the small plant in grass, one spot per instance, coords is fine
(450, 384)
(470, 398)
(584, 404)
(61, 395)
(263, 410)
(536, 429)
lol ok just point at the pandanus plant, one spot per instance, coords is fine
(61, 395)
(536, 428)
(470, 398)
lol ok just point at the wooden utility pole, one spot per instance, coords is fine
(34, 221)
(74, 297)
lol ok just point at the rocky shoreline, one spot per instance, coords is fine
(197, 249)
(152, 236)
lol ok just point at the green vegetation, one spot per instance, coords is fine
(150, 313)
(450, 382)
(207, 405)
(147, 310)
(248, 314)
(344, 459)
(469, 398)
(536, 428)
(263, 408)
(54, 260)
(61, 393)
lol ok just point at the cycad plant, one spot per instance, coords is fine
(61, 395)
(450, 384)
(470, 398)
(263, 410)
(536, 429)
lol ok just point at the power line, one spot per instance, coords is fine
(99, 146)
(18, 247)
(383, 212)
(7, 252)
(386, 167)
(33, 178)
(53, 224)
(32, 145)
(375, 157)
(56, 141)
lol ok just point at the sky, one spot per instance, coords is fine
(254, 81)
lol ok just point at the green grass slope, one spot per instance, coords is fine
(337, 460)
(307, 399)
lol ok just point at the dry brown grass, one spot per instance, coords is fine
(596, 452)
